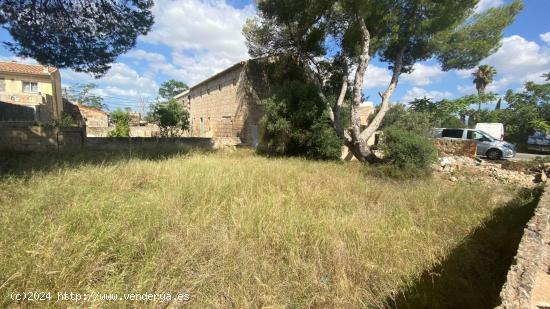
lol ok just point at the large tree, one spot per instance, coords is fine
(84, 35)
(346, 34)
(171, 88)
(83, 94)
(483, 76)
(171, 117)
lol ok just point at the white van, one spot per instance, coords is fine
(494, 129)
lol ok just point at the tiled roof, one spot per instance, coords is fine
(33, 69)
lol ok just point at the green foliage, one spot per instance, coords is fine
(86, 37)
(171, 117)
(540, 125)
(401, 33)
(121, 119)
(81, 93)
(296, 124)
(483, 76)
(527, 111)
(466, 44)
(408, 150)
(171, 88)
(394, 113)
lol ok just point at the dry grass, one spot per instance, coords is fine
(231, 229)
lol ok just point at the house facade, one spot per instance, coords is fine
(29, 92)
(94, 118)
(226, 104)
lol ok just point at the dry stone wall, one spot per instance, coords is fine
(528, 280)
(455, 147)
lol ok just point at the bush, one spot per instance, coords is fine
(171, 117)
(121, 119)
(408, 150)
(296, 124)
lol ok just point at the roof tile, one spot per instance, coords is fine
(33, 69)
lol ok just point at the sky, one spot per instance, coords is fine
(194, 39)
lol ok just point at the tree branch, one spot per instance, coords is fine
(384, 107)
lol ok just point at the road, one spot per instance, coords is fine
(526, 156)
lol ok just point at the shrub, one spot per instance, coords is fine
(408, 150)
(171, 117)
(121, 119)
(295, 124)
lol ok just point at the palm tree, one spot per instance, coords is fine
(483, 77)
(546, 76)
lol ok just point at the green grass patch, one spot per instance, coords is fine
(234, 229)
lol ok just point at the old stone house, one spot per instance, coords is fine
(226, 104)
(29, 92)
(94, 118)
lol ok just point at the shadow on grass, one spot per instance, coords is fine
(25, 163)
(473, 274)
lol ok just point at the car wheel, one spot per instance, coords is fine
(494, 154)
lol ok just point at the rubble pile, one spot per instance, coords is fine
(457, 168)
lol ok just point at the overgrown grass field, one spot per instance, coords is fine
(244, 231)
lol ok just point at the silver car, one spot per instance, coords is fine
(486, 144)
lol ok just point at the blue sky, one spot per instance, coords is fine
(193, 39)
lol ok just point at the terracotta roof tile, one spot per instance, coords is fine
(33, 69)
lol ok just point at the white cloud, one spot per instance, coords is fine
(417, 92)
(519, 60)
(121, 81)
(376, 77)
(545, 37)
(423, 74)
(487, 4)
(465, 73)
(516, 61)
(204, 37)
(141, 54)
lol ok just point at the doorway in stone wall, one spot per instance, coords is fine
(226, 127)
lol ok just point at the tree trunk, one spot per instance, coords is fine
(338, 109)
(359, 141)
(480, 93)
(359, 77)
(498, 104)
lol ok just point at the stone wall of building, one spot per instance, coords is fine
(225, 105)
(455, 147)
(215, 109)
(528, 280)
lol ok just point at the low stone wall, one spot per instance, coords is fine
(455, 147)
(149, 143)
(528, 281)
(22, 137)
(135, 131)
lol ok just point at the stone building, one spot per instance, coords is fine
(226, 104)
(29, 92)
(93, 117)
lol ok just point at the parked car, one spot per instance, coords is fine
(539, 142)
(486, 144)
(494, 129)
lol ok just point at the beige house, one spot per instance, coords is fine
(225, 105)
(29, 92)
